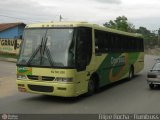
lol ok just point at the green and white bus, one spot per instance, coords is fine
(72, 58)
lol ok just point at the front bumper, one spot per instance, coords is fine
(46, 88)
(153, 80)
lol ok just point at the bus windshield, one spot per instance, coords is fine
(48, 47)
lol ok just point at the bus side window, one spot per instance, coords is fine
(96, 44)
(100, 44)
(84, 47)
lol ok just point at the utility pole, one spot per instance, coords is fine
(60, 18)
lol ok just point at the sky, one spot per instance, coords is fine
(144, 13)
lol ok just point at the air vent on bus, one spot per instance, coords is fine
(40, 88)
(32, 77)
(45, 78)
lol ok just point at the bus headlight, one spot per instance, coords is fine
(21, 77)
(63, 79)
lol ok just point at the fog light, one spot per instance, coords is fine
(22, 89)
(21, 77)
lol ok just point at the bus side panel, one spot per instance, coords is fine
(116, 66)
(139, 64)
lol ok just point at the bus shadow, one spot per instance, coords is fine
(72, 100)
(120, 82)
(56, 99)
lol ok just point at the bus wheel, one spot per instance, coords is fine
(131, 73)
(91, 87)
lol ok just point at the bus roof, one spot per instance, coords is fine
(81, 24)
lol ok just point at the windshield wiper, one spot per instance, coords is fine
(42, 48)
(48, 52)
(35, 52)
(49, 56)
(33, 55)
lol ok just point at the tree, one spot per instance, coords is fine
(159, 31)
(121, 23)
(150, 38)
(143, 30)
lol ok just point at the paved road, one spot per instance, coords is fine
(7, 68)
(125, 97)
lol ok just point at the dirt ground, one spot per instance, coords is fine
(7, 86)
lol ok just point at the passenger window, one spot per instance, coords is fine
(84, 46)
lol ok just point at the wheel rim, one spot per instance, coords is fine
(130, 74)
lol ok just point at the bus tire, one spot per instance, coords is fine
(91, 87)
(131, 73)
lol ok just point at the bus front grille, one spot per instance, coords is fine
(40, 88)
(45, 78)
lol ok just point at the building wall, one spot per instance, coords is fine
(10, 46)
(20, 30)
(14, 32)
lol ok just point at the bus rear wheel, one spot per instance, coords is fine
(131, 73)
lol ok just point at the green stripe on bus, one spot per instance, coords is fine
(115, 66)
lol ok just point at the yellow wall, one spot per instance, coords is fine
(10, 46)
